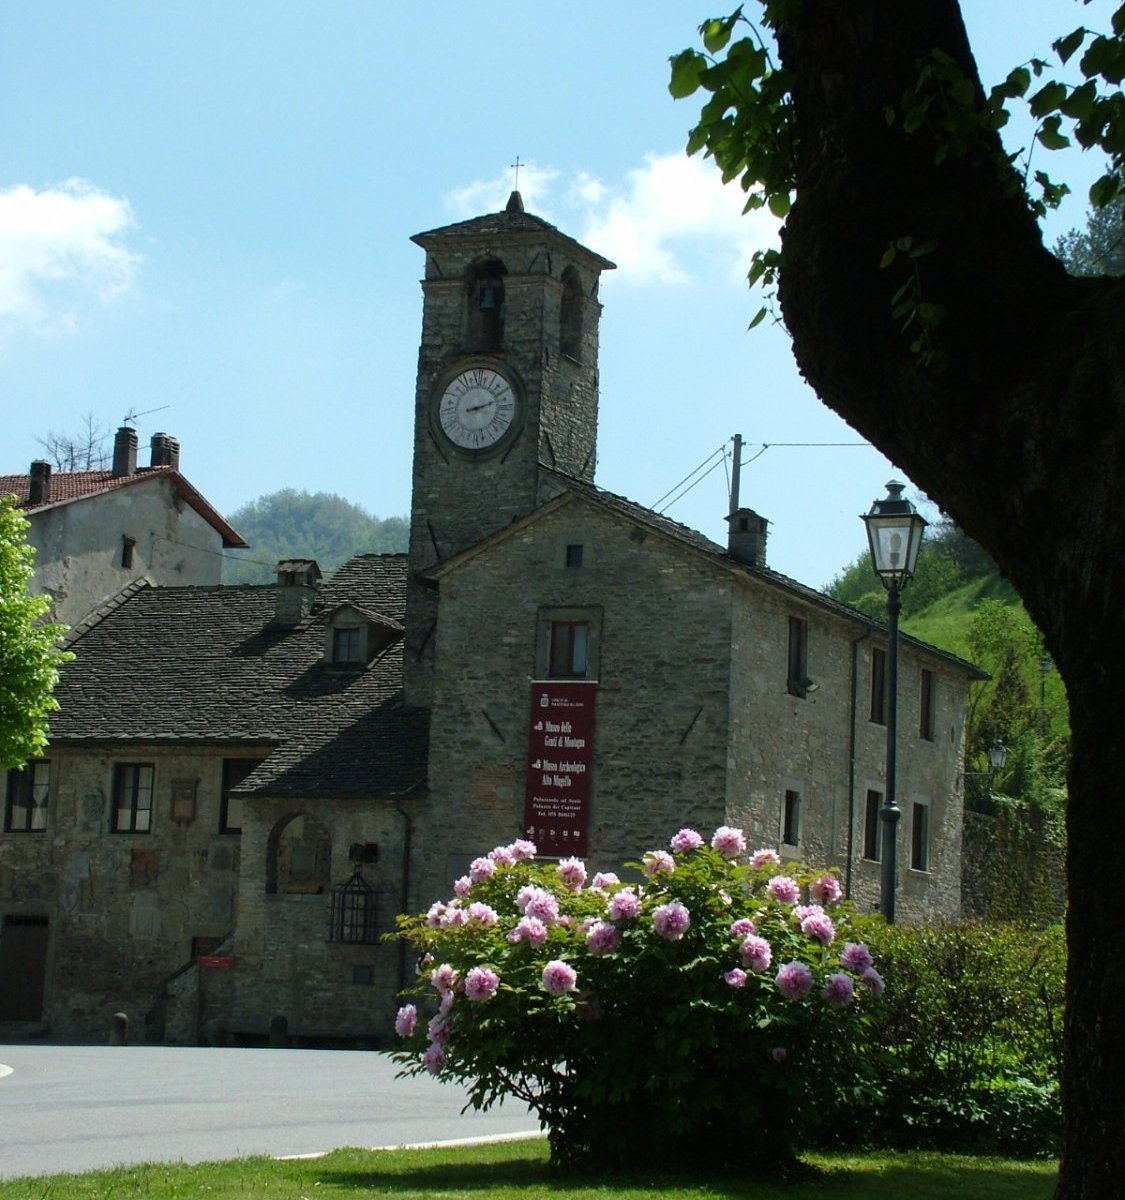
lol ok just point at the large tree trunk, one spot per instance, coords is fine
(1017, 429)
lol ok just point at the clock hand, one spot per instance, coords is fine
(478, 407)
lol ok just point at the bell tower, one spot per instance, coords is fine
(507, 385)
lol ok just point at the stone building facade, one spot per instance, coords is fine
(94, 532)
(246, 785)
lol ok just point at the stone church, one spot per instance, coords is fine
(245, 785)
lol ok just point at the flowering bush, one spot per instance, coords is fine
(701, 1009)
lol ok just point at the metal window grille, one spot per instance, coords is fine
(353, 911)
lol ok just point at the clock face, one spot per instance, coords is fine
(477, 409)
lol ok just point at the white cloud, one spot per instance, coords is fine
(670, 221)
(59, 247)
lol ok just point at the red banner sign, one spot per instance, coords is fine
(216, 960)
(560, 759)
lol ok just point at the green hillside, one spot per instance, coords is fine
(959, 601)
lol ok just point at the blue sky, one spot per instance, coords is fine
(205, 210)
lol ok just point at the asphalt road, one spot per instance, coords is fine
(74, 1108)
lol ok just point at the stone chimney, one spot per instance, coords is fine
(39, 483)
(125, 452)
(297, 583)
(165, 451)
(746, 537)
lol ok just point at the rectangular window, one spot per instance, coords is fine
(235, 770)
(574, 555)
(919, 836)
(28, 792)
(127, 544)
(791, 819)
(798, 656)
(926, 706)
(570, 644)
(132, 797)
(872, 825)
(345, 644)
(878, 686)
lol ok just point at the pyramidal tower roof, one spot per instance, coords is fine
(514, 220)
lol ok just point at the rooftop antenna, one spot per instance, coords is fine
(130, 418)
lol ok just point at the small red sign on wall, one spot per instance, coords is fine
(560, 759)
(216, 960)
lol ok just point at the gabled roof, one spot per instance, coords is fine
(208, 665)
(512, 221)
(572, 490)
(69, 486)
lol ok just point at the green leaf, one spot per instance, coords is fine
(779, 204)
(1050, 137)
(1049, 97)
(687, 67)
(888, 256)
(716, 33)
(1066, 46)
(1080, 103)
(1104, 190)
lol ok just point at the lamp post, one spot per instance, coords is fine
(894, 533)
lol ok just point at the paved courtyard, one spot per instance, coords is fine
(74, 1108)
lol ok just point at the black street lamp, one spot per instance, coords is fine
(894, 532)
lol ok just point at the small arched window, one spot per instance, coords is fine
(571, 314)
(486, 305)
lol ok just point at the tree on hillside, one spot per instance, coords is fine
(924, 308)
(299, 524)
(29, 654)
(1101, 249)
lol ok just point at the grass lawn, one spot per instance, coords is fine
(520, 1171)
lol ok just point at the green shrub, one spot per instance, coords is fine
(968, 1042)
(701, 1014)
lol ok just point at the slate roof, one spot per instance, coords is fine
(513, 220)
(637, 514)
(68, 486)
(208, 665)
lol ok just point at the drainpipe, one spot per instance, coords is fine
(404, 905)
(852, 739)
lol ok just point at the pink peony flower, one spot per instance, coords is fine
(782, 888)
(434, 1059)
(624, 904)
(685, 841)
(446, 1002)
(559, 977)
(572, 871)
(529, 929)
(537, 902)
(604, 879)
(502, 856)
(873, 981)
(435, 915)
(765, 858)
(602, 938)
(671, 920)
(838, 990)
(819, 926)
(741, 928)
(805, 910)
(438, 1028)
(756, 953)
(826, 889)
(658, 862)
(454, 914)
(484, 913)
(779, 1054)
(405, 1020)
(730, 843)
(794, 980)
(481, 983)
(461, 887)
(481, 868)
(736, 977)
(855, 956)
(444, 978)
(522, 850)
